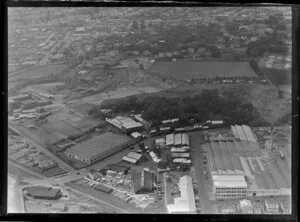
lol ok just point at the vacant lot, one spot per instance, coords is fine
(97, 99)
(54, 172)
(185, 70)
(39, 72)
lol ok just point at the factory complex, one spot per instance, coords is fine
(98, 147)
(238, 170)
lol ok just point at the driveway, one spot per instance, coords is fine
(202, 183)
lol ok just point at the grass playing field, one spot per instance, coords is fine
(185, 70)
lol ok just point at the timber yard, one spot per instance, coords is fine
(104, 119)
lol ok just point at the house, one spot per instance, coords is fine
(94, 174)
(246, 206)
(271, 206)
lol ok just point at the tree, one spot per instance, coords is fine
(142, 24)
(106, 67)
(134, 25)
(132, 101)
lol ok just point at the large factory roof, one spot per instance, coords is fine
(98, 144)
(243, 132)
(229, 181)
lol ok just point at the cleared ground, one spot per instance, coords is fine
(39, 72)
(119, 93)
(185, 70)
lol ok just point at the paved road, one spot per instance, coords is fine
(60, 162)
(202, 183)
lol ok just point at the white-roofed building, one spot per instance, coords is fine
(229, 186)
(185, 139)
(177, 139)
(154, 157)
(217, 122)
(235, 133)
(186, 202)
(160, 142)
(246, 206)
(129, 159)
(181, 160)
(136, 135)
(181, 155)
(134, 155)
(125, 123)
(243, 132)
(178, 149)
(249, 134)
(170, 139)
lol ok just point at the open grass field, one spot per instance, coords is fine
(39, 72)
(185, 70)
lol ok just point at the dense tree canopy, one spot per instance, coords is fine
(203, 106)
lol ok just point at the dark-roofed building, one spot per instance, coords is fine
(103, 188)
(48, 193)
(143, 182)
(19, 98)
(29, 104)
(118, 168)
(98, 147)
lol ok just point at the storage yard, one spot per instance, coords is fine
(25, 154)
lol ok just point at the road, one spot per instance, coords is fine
(202, 183)
(60, 162)
(15, 201)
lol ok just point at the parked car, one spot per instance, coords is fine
(139, 151)
(131, 147)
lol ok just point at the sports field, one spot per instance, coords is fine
(185, 70)
(39, 72)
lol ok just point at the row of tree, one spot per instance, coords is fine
(203, 106)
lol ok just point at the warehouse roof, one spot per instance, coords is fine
(185, 139)
(142, 180)
(39, 191)
(170, 139)
(134, 155)
(229, 181)
(177, 139)
(129, 159)
(180, 155)
(186, 202)
(98, 144)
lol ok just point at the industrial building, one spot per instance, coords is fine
(118, 168)
(185, 204)
(178, 139)
(98, 147)
(48, 193)
(237, 159)
(143, 182)
(229, 186)
(126, 124)
(132, 157)
(243, 132)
